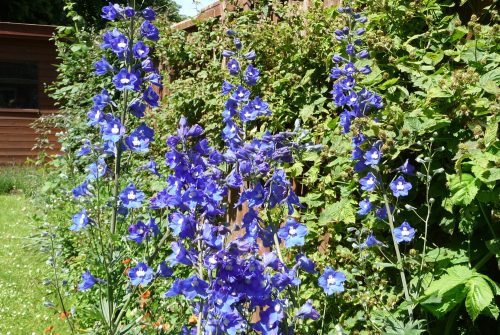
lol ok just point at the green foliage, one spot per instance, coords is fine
(436, 65)
(19, 179)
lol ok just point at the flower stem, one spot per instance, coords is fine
(398, 254)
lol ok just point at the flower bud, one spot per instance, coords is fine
(410, 207)
(437, 171)
(431, 200)
(419, 160)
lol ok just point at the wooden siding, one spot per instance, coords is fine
(26, 43)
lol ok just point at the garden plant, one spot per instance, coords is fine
(330, 171)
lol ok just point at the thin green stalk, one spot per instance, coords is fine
(398, 254)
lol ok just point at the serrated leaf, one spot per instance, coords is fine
(491, 132)
(479, 296)
(388, 83)
(341, 211)
(463, 188)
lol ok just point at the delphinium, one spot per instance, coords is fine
(245, 274)
(383, 189)
(113, 221)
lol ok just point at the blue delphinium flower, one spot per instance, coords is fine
(80, 220)
(233, 66)
(151, 97)
(365, 206)
(307, 311)
(400, 187)
(81, 190)
(87, 281)
(140, 231)
(111, 12)
(149, 31)
(293, 233)
(407, 168)
(140, 274)
(140, 50)
(251, 75)
(112, 130)
(131, 197)
(372, 156)
(140, 138)
(102, 66)
(137, 108)
(148, 14)
(404, 233)
(371, 241)
(125, 80)
(368, 182)
(97, 169)
(332, 281)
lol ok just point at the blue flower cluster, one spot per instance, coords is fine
(358, 105)
(134, 77)
(232, 283)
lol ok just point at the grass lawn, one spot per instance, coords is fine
(22, 271)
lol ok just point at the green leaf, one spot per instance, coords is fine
(479, 296)
(444, 294)
(491, 132)
(342, 211)
(433, 58)
(306, 112)
(463, 188)
(388, 83)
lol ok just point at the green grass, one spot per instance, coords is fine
(17, 179)
(22, 271)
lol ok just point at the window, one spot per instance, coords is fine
(18, 85)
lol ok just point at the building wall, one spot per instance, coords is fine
(24, 44)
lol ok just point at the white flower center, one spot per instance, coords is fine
(140, 231)
(226, 322)
(405, 232)
(374, 155)
(141, 273)
(131, 195)
(122, 45)
(82, 219)
(292, 231)
(277, 308)
(331, 280)
(241, 94)
(97, 115)
(115, 130)
(136, 142)
(370, 181)
(195, 282)
(400, 186)
(124, 80)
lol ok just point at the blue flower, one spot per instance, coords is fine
(80, 220)
(151, 97)
(95, 116)
(140, 275)
(139, 232)
(407, 168)
(147, 65)
(128, 81)
(129, 11)
(137, 108)
(87, 281)
(111, 12)
(81, 190)
(140, 50)
(102, 100)
(305, 263)
(372, 156)
(149, 31)
(112, 130)
(226, 87)
(119, 45)
(97, 169)
(365, 206)
(251, 75)
(371, 241)
(102, 67)
(293, 233)
(191, 288)
(148, 14)
(140, 138)
(251, 55)
(400, 187)
(368, 182)
(181, 225)
(404, 233)
(233, 67)
(332, 281)
(131, 197)
(307, 311)
(164, 271)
